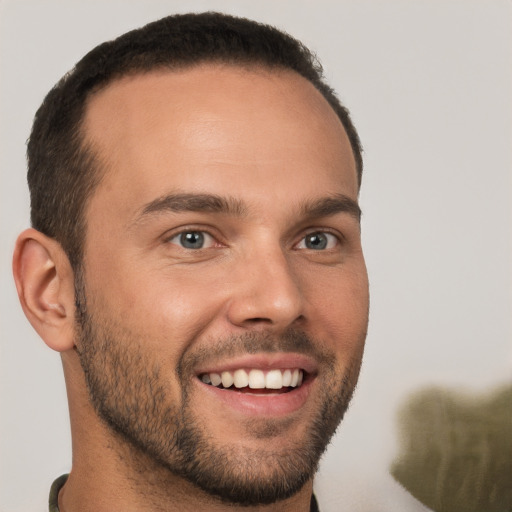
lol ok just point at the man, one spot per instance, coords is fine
(195, 257)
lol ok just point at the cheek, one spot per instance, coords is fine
(167, 308)
(339, 310)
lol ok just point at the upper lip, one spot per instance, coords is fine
(264, 361)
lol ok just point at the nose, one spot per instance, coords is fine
(267, 294)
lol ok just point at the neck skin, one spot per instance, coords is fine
(106, 473)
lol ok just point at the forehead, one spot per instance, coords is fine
(215, 127)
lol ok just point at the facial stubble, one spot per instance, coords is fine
(131, 396)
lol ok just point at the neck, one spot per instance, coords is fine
(87, 495)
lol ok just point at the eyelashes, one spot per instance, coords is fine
(318, 241)
(193, 239)
(197, 239)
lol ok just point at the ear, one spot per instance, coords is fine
(44, 280)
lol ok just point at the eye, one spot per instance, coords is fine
(193, 240)
(318, 241)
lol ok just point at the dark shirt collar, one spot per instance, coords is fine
(59, 484)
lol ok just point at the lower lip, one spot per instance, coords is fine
(269, 405)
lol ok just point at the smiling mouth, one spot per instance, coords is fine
(275, 380)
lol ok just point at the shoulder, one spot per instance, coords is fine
(53, 500)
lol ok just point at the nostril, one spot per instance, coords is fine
(258, 320)
(265, 323)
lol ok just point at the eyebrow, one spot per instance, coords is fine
(212, 203)
(194, 203)
(331, 205)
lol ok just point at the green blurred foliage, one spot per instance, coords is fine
(456, 450)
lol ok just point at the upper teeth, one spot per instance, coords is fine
(255, 379)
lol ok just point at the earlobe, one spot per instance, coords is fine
(44, 280)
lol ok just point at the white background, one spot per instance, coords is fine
(429, 85)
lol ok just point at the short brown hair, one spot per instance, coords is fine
(63, 172)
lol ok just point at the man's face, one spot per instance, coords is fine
(223, 244)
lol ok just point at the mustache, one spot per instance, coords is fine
(292, 340)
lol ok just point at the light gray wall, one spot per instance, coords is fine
(429, 86)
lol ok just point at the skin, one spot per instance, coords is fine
(268, 142)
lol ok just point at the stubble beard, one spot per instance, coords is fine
(130, 395)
